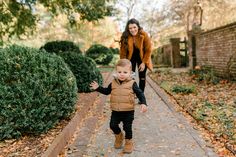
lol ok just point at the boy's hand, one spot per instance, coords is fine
(94, 85)
(143, 108)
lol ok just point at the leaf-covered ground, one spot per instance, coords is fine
(212, 105)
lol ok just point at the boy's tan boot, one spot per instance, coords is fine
(119, 140)
(128, 148)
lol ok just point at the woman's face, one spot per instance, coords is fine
(133, 29)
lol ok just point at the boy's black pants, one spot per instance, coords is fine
(126, 117)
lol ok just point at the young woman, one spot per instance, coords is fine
(135, 45)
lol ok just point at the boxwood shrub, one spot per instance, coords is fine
(115, 50)
(84, 69)
(101, 54)
(36, 91)
(61, 46)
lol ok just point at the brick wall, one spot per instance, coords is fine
(216, 48)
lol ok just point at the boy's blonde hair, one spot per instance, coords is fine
(123, 63)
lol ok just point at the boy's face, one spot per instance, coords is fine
(123, 73)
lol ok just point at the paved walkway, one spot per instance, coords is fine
(160, 132)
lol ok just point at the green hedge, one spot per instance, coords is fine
(61, 46)
(101, 54)
(36, 91)
(185, 89)
(84, 69)
(115, 50)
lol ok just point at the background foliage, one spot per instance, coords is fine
(12, 13)
(100, 54)
(84, 69)
(61, 46)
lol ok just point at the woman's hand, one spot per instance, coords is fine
(141, 67)
(94, 85)
(143, 108)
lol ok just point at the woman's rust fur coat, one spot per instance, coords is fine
(143, 43)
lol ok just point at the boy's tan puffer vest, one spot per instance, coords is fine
(122, 96)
